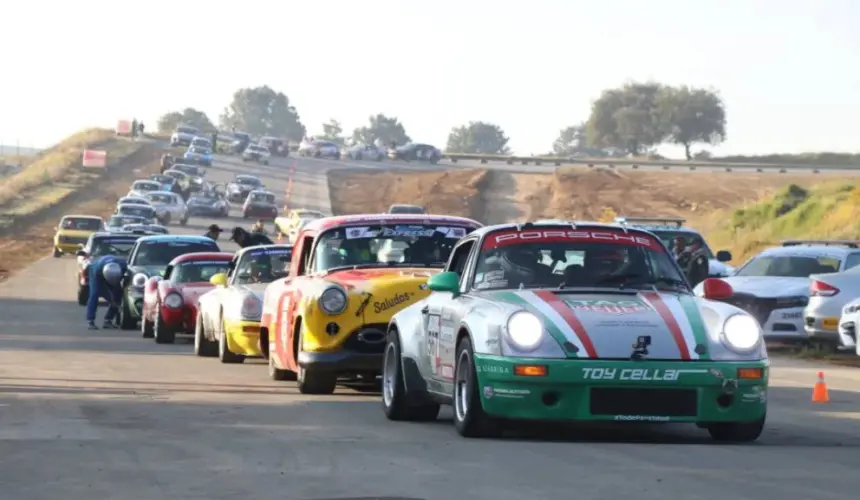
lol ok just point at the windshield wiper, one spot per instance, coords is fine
(637, 279)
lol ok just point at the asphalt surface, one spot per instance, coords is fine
(109, 415)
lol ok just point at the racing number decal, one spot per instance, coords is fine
(433, 327)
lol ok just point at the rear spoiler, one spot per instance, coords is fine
(828, 243)
(678, 221)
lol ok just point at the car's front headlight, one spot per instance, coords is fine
(741, 333)
(173, 300)
(139, 280)
(525, 330)
(333, 301)
(251, 307)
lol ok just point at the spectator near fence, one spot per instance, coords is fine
(140, 128)
(134, 128)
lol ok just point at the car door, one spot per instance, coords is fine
(441, 319)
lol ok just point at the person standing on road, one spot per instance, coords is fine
(134, 128)
(245, 239)
(698, 267)
(105, 277)
(214, 232)
(214, 142)
(140, 128)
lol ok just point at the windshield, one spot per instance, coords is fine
(309, 215)
(789, 266)
(263, 265)
(690, 238)
(573, 258)
(176, 175)
(256, 149)
(201, 142)
(119, 246)
(145, 186)
(198, 271)
(248, 181)
(139, 210)
(187, 130)
(241, 136)
(199, 150)
(419, 245)
(81, 224)
(160, 198)
(262, 198)
(160, 253)
(124, 220)
(406, 209)
(163, 179)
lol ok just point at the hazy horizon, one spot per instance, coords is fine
(783, 68)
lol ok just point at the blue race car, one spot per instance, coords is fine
(199, 155)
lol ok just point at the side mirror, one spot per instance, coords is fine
(81, 253)
(724, 256)
(219, 279)
(445, 282)
(716, 289)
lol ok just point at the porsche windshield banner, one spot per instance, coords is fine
(603, 236)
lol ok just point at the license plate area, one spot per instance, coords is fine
(608, 401)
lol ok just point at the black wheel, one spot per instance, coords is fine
(162, 333)
(469, 417)
(126, 320)
(277, 373)
(203, 347)
(83, 295)
(146, 328)
(57, 253)
(166, 219)
(312, 381)
(394, 401)
(736, 432)
(224, 352)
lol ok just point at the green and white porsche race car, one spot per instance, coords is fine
(555, 321)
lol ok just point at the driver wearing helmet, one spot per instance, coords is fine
(520, 265)
(105, 277)
(601, 263)
(259, 271)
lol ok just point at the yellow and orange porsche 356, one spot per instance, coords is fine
(349, 274)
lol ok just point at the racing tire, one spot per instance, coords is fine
(736, 432)
(126, 321)
(203, 347)
(162, 333)
(57, 253)
(224, 353)
(146, 328)
(469, 417)
(395, 402)
(165, 220)
(314, 381)
(83, 295)
(279, 374)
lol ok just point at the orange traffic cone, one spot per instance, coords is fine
(819, 391)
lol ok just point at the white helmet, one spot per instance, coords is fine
(112, 273)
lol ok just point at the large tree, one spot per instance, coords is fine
(478, 138)
(570, 140)
(263, 111)
(385, 128)
(628, 118)
(188, 116)
(692, 116)
(333, 131)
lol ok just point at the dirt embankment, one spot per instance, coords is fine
(32, 239)
(493, 196)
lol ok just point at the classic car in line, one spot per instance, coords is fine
(98, 245)
(228, 321)
(327, 320)
(150, 257)
(260, 204)
(74, 231)
(577, 322)
(170, 302)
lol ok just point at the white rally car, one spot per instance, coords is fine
(168, 207)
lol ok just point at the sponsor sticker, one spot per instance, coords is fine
(641, 418)
(393, 301)
(792, 315)
(405, 231)
(512, 393)
(491, 368)
(488, 391)
(503, 238)
(222, 263)
(609, 306)
(636, 374)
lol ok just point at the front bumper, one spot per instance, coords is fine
(649, 391)
(243, 337)
(181, 320)
(204, 210)
(361, 352)
(821, 320)
(260, 212)
(68, 247)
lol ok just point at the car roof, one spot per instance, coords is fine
(146, 181)
(246, 176)
(176, 237)
(357, 219)
(225, 256)
(102, 234)
(242, 251)
(88, 217)
(555, 223)
(808, 251)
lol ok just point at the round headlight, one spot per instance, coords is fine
(138, 280)
(742, 333)
(333, 301)
(173, 300)
(525, 330)
(251, 307)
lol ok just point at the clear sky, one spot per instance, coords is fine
(787, 70)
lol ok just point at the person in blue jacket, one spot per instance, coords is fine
(105, 277)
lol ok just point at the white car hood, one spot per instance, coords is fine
(769, 286)
(717, 268)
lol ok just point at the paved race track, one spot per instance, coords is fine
(108, 415)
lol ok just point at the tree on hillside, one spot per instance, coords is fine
(188, 116)
(263, 111)
(628, 118)
(691, 116)
(478, 138)
(385, 128)
(332, 131)
(570, 140)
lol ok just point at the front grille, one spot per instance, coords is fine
(761, 308)
(74, 239)
(369, 339)
(644, 402)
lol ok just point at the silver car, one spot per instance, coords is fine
(132, 200)
(141, 187)
(366, 152)
(168, 207)
(183, 135)
(319, 149)
(830, 292)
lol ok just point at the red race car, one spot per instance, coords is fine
(170, 302)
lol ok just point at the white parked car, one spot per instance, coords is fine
(319, 149)
(257, 153)
(200, 142)
(133, 200)
(168, 207)
(141, 187)
(183, 135)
